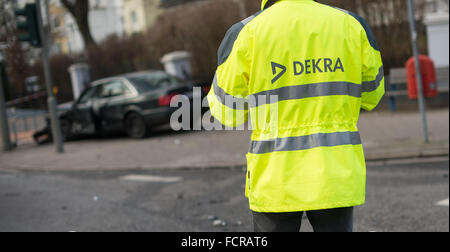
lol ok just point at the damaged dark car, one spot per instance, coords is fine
(132, 103)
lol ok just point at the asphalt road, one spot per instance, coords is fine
(400, 197)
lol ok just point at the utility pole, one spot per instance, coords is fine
(4, 126)
(55, 125)
(33, 32)
(414, 35)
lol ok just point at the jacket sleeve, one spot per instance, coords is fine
(228, 96)
(373, 87)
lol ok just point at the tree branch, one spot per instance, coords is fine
(70, 6)
(80, 12)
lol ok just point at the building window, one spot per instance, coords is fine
(135, 21)
(56, 22)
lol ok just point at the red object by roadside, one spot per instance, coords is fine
(429, 80)
(164, 101)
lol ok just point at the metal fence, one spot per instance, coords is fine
(23, 123)
(26, 115)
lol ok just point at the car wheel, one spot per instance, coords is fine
(135, 126)
(66, 129)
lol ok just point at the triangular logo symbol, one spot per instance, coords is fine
(274, 70)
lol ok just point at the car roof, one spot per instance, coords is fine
(124, 76)
(141, 73)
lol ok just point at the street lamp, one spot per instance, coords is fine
(55, 125)
(32, 31)
(414, 37)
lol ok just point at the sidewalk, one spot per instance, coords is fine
(400, 135)
(385, 135)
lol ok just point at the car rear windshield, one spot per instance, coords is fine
(152, 81)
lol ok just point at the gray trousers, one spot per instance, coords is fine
(330, 220)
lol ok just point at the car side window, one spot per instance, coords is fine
(88, 95)
(113, 89)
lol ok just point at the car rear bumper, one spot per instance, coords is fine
(159, 116)
(162, 115)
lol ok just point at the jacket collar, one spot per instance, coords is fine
(266, 3)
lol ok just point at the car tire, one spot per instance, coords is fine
(135, 126)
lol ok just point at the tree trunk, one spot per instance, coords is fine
(80, 12)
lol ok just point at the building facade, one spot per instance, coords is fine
(105, 19)
(437, 22)
(60, 40)
(140, 15)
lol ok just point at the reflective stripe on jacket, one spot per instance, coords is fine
(302, 71)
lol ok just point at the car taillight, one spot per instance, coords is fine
(165, 100)
(206, 89)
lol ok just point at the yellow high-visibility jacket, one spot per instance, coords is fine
(302, 71)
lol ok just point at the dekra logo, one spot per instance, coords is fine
(274, 71)
(314, 66)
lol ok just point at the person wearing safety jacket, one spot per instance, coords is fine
(301, 71)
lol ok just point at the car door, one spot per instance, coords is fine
(83, 120)
(110, 107)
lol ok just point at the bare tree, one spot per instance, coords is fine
(13, 51)
(7, 20)
(389, 22)
(79, 9)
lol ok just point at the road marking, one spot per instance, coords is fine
(147, 178)
(443, 203)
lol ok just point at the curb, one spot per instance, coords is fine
(239, 166)
(417, 151)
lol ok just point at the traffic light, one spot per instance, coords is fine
(29, 28)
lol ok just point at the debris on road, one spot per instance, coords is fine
(219, 223)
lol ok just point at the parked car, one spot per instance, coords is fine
(133, 103)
